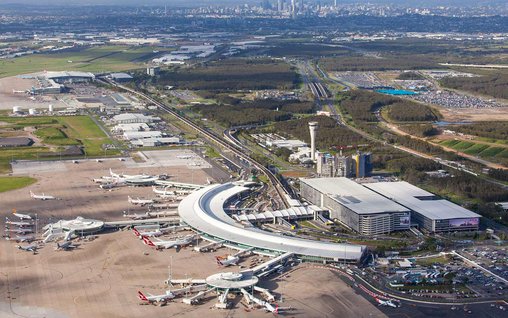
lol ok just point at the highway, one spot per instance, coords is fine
(231, 146)
(368, 136)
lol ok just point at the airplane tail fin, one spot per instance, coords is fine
(148, 241)
(218, 260)
(31, 194)
(276, 311)
(136, 232)
(142, 296)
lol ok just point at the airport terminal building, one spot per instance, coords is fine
(356, 206)
(430, 212)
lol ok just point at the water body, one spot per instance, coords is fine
(396, 92)
(448, 123)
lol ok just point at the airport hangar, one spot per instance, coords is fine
(355, 206)
(203, 211)
(430, 212)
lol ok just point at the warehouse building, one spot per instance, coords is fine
(429, 211)
(15, 142)
(355, 206)
(131, 118)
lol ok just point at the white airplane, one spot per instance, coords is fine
(136, 216)
(42, 197)
(139, 201)
(160, 244)
(385, 303)
(127, 176)
(185, 156)
(156, 299)
(227, 261)
(21, 224)
(19, 231)
(232, 259)
(65, 246)
(142, 234)
(163, 192)
(111, 185)
(22, 216)
(23, 238)
(28, 248)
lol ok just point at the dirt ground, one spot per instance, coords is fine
(78, 195)
(472, 114)
(101, 278)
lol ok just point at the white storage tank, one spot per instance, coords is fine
(32, 111)
(50, 108)
(17, 109)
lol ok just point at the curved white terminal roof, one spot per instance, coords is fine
(203, 210)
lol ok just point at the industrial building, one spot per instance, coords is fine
(121, 77)
(70, 77)
(430, 212)
(130, 118)
(355, 206)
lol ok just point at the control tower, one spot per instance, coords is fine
(313, 127)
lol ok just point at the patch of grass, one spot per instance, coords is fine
(503, 154)
(431, 260)
(449, 143)
(13, 183)
(463, 145)
(54, 136)
(476, 149)
(491, 152)
(20, 153)
(91, 59)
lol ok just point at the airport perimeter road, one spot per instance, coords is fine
(274, 181)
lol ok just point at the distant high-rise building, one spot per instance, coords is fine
(363, 167)
(313, 127)
(293, 6)
(300, 9)
(280, 5)
(335, 3)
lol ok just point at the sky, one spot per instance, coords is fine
(202, 2)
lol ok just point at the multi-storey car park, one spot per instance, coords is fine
(355, 206)
(430, 212)
(203, 210)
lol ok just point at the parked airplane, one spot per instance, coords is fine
(160, 300)
(156, 232)
(160, 244)
(184, 156)
(227, 261)
(232, 259)
(136, 216)
(139, 201)
(385, 303)
(28, 248)
(163, 192)
(42, 197)
(127, 176)
(23, 238)
(67, 245)
(19, 230)
(21, 224)
(22, 216)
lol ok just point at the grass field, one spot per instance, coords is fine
(431, 260)
(13, 183)
(94, 59)
(476, 149)
(57, 131)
